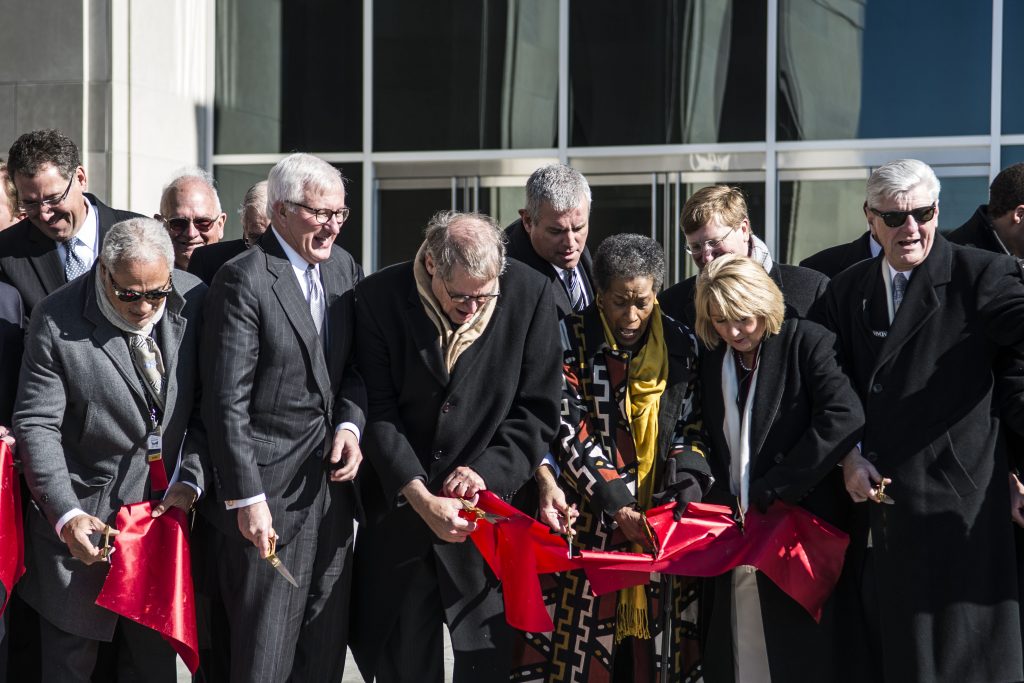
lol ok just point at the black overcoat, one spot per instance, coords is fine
(942, 555)
(805, 418)
(834, 260)
(521, 249)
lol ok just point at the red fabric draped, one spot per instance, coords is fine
(150, 577)
(12, 542)
(802, 554)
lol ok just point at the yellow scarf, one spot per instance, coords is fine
(648, 376)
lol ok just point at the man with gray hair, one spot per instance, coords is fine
(551, 234)
(459, 352)
(931, 559)
(207, 260)
(284, 409)
(190, 209)
(110, 365)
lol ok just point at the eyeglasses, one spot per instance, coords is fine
(324, 215)
(479, 299)
(35, 207)
(130, 295)
(699, 247)
(895, 219)
(181, 223)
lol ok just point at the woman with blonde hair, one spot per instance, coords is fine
(779, 414)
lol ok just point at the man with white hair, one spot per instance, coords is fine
(931, 557)
(190, 209)
(284, 409)
(110, 363)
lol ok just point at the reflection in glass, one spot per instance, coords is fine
(817, 214)
(465, 75)
(666, 71)
(846, 69)
(278, 90)
(233, 182)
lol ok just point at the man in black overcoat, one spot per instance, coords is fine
(931, 558)
(460, 354)
(834, 260)
(715, 222)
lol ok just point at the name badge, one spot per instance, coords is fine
(153, 442)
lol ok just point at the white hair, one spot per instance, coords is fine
(897, 179)
(561, 187)
(185, 176)
(136, 240)
(296, 174)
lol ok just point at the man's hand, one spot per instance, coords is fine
(256, 525)
(441, 514)
(463, 482)
(553, 509)
(76, 534)
(861, 477)
(1016, 500)
(345, 452)
(181, 496)
(632, 523)
(7, 437)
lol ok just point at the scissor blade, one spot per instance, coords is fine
(885, 498)
(276, 563)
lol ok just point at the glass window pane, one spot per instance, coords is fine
(853, 69)
(465, 75)
(666, 71)
(278, 89)
(234, 181)
(1013, 57)
(816, 214)
(1011, 155)
(403, 216)
(959, 199)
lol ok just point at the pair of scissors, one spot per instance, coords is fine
(881, 496)
(106, 549)
(276, 563)
(480, 514)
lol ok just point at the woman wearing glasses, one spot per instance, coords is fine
(631, 439)
(779, 415)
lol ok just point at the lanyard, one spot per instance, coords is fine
(154, 439)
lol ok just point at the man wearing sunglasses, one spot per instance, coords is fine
(61, 236)
(931, 564)
(190, 209)
(715, 221)
(111, 363)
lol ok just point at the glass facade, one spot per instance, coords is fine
(795, 101)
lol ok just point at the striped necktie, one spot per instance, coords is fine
(575, 289)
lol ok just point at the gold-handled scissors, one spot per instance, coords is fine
(276, 563)
(106, 549)
(881, 496)
(480, 514)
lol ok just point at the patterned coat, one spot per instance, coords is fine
(599, 473)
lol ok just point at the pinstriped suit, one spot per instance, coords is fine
(272, 398)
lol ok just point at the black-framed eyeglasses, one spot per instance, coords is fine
(479, 299)
(34, 207)
(324, 215)
(699, 247)
(130, 295)
(895, 219)
(181, 223)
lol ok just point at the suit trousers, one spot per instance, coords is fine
(141, 655)
(279, 632)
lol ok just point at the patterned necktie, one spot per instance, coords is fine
(146, 355)
(899, 287)
(73, 263)
(575, 289)
(316, 297)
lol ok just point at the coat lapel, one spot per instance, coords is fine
(46, 261)
(333, 288)
(425, 336)
(111, 340)
(171, 330)
(772, 369)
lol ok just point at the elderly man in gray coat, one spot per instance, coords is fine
(110, 363)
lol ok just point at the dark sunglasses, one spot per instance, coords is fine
(130, 295)
(895, 219)
(180, 224)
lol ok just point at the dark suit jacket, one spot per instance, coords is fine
(496, 413)
(835, 260)
(802, 290)
(207, 260)
(29, 259)
(521, 249)
(977, 232)
(272, 395)
(805, 418)
(81, 421)
(11, 344)
(943, 555)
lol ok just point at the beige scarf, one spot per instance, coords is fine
(453, 342)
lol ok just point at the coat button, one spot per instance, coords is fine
(872, 456)
(876, 389)
(778, 458)
(438, 454)
(45, 498)
(446, 407)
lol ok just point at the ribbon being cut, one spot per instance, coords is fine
(12, 542)
(799, 552)
(150, 577)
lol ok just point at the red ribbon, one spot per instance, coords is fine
(150, 577)
(799, 552)
(12, 540)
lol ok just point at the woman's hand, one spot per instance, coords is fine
(634, 526)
